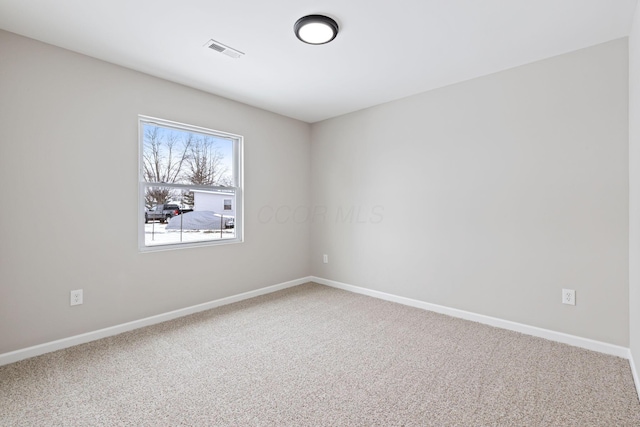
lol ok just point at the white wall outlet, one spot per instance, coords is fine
(569, 296)
(325, 259)
(76, 297)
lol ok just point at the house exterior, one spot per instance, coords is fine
(220, 202)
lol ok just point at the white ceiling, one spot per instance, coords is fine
(385, 50)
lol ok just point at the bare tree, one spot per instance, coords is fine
(164, 155)
(205, 165)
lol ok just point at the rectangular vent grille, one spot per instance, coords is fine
(216, 46)
(219, 47)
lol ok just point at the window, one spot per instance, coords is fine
(185, 172)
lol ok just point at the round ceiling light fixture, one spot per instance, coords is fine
(316, 29)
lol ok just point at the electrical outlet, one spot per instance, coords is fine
(76, 297)
(569, 296)
(325, 259)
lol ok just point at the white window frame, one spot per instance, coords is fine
(237, 176)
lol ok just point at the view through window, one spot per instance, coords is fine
(190, 189)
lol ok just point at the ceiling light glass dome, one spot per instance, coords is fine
(316, 29)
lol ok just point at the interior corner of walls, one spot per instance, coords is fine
(635, 373)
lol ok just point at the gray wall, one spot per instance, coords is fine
(488, 196)
(68, 165)
(634, 191)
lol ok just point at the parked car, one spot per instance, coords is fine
(164, 212)
(229, 223)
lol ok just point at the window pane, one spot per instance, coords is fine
(174, 222)
(177, 156)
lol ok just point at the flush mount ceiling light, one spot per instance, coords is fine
(316, 29)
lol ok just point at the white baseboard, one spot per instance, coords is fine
(586, 343)
(15, 356)
(573, 340)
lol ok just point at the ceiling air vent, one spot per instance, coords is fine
(219, 47)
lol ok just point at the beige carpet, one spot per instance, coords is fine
(317, 356)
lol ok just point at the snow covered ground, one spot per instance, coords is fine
(200, 220)
(156, 233)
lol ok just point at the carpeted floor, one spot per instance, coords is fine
(317, 356)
